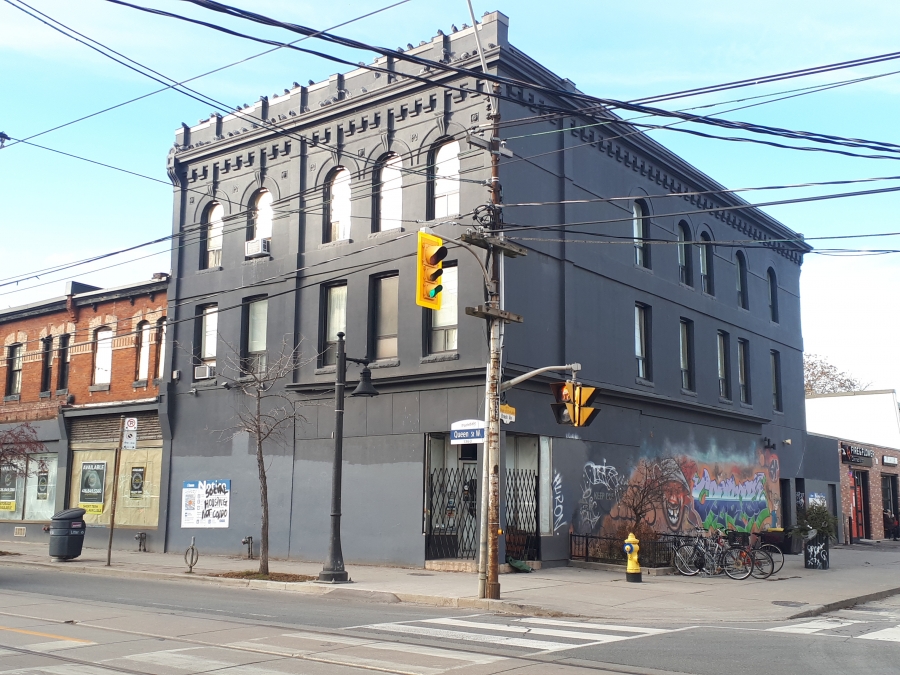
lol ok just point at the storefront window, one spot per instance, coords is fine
(137, 502)
(12, 482)
(29, 493)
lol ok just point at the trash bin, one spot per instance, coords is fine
(67, 534)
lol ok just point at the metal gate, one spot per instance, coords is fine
(451, 522)
(523, 536)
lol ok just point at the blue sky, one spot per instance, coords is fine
(614, 50)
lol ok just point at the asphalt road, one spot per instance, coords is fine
(64, 623)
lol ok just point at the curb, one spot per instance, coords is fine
(845, 603)
(323, 590)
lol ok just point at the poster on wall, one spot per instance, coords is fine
(93, 484)
(205, 503)
(817, 499)
(43, 485)
(137, 482)
(8, 489)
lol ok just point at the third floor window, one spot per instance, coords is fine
(446, 180)
(639, 228)
(642, 341)
(211, 239)
(724, 364)
(741, 280)
(706, 264)
(261, 216)
(686, 347)
(337, 206)
(14, 357)
(47, 363)
(744, 371)
(103, 339)
(685, 260)
(389, 194)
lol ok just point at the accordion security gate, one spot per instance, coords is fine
(452, 516)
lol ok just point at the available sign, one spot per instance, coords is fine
(8, 481)
(93, 484)
(855, 454)
(205, 503)
(467, 431)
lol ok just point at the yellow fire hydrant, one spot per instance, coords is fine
(633, 570)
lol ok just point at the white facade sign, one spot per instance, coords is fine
(129, 440)
(131, 424)
(467, 431)
(887, 460)
(205, 503)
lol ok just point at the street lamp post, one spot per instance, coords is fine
(333, 570)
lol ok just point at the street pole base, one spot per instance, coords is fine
(329, 576)
(492, 591)
(633, 576)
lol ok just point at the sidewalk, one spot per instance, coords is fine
(857, 574)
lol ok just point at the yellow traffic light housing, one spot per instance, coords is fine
(573, 402)
(430, 252)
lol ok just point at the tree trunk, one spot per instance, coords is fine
(264, 500)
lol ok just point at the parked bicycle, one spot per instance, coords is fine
(712, 555)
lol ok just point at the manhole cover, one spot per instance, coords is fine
(788, 603)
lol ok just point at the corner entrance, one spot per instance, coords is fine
(451, 500)
(859, 490)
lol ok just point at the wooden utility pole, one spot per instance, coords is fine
(115, 490)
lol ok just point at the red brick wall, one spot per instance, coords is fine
(875, 473)
(121, 315)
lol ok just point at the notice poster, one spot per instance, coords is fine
(43, 484)
(8, 477)
(137, 483)
(93, 484)
(205, 503)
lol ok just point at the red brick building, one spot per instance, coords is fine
(72, 367)
(869, 487)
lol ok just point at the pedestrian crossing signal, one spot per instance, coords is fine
(430, 253)
(573, 402)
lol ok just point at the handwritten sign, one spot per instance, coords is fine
(205, 503)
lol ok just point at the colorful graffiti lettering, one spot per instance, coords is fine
(730, 503)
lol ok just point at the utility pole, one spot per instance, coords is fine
(115, 491)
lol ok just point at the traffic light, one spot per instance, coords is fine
(430, 252)
(573, 402)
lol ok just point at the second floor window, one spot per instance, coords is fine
(160, 346)
(686, 344)
(446, 180)
(337, 206)
(143, 350)
(211, 237)
(642, 341)
(261, 216)
(744, 370)
(209, 332)
(335, 321)
(706, 264)
(389, 194)
(385, 315)
(775, 359)
(442, 333)
(62, 362)
(685, 262)
(256, 324)
(103, 339)
(14, 357)
(741, 280)
(46, 363)
(724, 364)
(639, 227)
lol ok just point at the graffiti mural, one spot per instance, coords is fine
(730, 491)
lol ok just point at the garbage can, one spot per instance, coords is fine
(67, 534)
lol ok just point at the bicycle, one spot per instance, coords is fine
(712, 556)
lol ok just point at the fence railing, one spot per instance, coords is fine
(652, 553)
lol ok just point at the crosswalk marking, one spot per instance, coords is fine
(526, 630)
(501, 640)
(471, 657)
(887, 634)
(319, 637)
(57, 645)
(813, 626)
(377, 664)
(179, 659)
(595, 626)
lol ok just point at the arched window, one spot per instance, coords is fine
(389, 194)
(337, 206)
(639, 227)
(14, 358)
(706, 264)
(773, 295)
(685, 261)
(103, 338)
(446, 180)
(261, 214)
(160, 346)
(211, 237)
(741, 279)
(143, 350)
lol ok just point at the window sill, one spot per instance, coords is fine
(386, 233)
(689, 392)
(258, 259)
(45, 394)
(385, 363)
(727, 401)
(778, 412)
(709, 295)
(326, 370)
(210, 383)
(643, 382)
(332, 244)
(11, 397)
(439, 358)
(648, 270)
(156, 381)
(209, 270)
(99, 387)
(748, 406)
(62, 392)
(139, 383)
(690, 287)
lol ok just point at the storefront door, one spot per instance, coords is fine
(859, 483)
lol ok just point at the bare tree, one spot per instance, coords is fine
(17, 444)
(266, 413)
(821, 377)
(646, 492)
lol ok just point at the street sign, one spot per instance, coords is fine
(131, 424)
(467, 431)
(129, 440)
(507, 414)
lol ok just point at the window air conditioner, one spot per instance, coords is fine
(257, 247)
(204, 372)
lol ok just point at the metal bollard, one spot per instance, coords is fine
(141, 538)
(633, 570)
(248, 542)
(191, 556)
